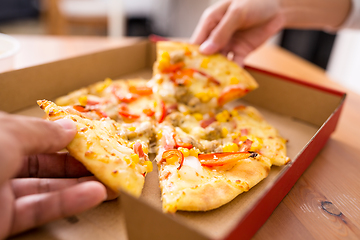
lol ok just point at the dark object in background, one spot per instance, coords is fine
(314, 46)
(18, 9)
(139, 26)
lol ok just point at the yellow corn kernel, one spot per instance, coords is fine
(194, 152)
(83, 100)
(224, 132)
(131, 129)
(187, 51)
(205, 63)
(159, 134)
(198, 116)
(184, 151)
(223, 116)
(155, 104)
(135, 158)
(243, 138)
(203, 96)
(163, 64)
(165, 56)
(230, 147)
(127, 160)
(172, 160)
(235, 135)
(132, 144)
(101, 86)
(149, 166)
(257, 143)
(234, 80)
(234, 113)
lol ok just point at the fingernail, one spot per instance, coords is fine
(66, 124)
(208, 47)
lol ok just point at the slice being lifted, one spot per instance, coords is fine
(116, 162)
(182, 74)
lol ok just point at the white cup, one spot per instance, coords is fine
(9, 46)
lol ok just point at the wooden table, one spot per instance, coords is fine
(325, 202)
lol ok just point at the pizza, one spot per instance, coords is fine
(206, 160)
(101, 149)
(207, 152)
(183, 75)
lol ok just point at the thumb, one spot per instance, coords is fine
(34, 135)
(46, 136)
(22, 136)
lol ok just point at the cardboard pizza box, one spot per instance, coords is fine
(305, 114)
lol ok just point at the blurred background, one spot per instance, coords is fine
(338, 54)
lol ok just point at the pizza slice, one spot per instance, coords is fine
(183, 75)
(205, 160)
(100, 147)
(195, 181)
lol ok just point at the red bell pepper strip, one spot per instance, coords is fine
(140, 90)
(182, 144)
(231, 93)
(210, 78)
(220, 159)
(174, 153)
(128, 115)
(171, 68)
(162, 114)
(80, 108)
(101, 114)
(148, 112)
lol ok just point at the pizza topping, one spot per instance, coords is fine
(182, 77)
(140, 90)
(173, 156)
(210, 78)
(99, 87)
(193, 162)
(162, 113)
(231, 147)
(148, 112)
(213, 131)
(80, 108)
(220, 159)
(244, 131)
(205, 123)
(139, 150)
(231, 93)
(223, 116)
(149, 166)
(171, 68)
(246, 146)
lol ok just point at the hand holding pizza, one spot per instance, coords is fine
(240, 26)
(29, 202)
(237, 26)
